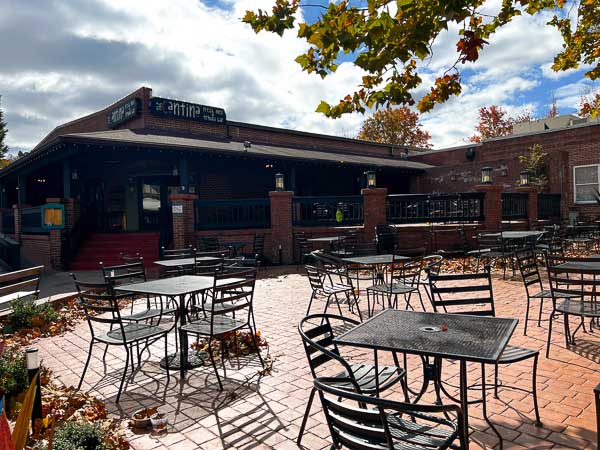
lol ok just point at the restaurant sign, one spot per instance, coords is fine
(125, 111)
(182, 110)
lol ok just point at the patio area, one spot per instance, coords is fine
(266, 411)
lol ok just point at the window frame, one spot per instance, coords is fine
(575, 184)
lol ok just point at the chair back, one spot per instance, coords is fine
(317, 333)
(490, 240)
(127, 258)
(327, 261)
(124, 273)
(101, 307)
(528, 267)
(231, 293)
(314, 278)
(207, 268)
(433, 263)
(210, 244)
(258, 247)
(466, 293)
(576, 278)
(177, 253)
(363, 248)
(405, 271)
(361, 422)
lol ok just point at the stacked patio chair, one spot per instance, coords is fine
(102, 310)
(403, 280)
(472, 294)
(327, 284)
(302, 248)
(385, 239)
(176, 253)
(534, 288)
(229, 308)
(258, 250)
(492, 248)
(357, 421)
(346, 248)
(551, 243)
(578, 279)
(318, 332)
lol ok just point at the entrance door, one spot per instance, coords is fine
(155, 205)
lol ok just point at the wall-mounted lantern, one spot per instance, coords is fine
(279, 184)
(524, 178)
(486, 175)
(371, 179)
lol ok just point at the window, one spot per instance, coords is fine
(586, 180)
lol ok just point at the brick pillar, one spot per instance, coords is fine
(492, 205)
(374, 210)
(55, 238)
(281, 226)
(532, 202)
(17, 213)
(183, 219)
(71, 210)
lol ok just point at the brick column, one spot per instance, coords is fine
(281, 226)
(374, 210)
(492, 205)
(72, 211)
(17, 214)
(183, 219)
(55, 239)
(532, 202)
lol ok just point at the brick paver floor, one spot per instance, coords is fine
(267, 412)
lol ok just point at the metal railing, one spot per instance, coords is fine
(515, 205)
(8, 222)
(421, 208)
(31, 220)
(231, 214)
(332, 210)
(549, 206)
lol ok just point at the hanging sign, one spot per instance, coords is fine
(125, 111)
(183, 110)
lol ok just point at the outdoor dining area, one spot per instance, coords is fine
(362, 344)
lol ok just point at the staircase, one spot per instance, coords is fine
(107, 247)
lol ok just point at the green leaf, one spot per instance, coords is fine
(323, 108)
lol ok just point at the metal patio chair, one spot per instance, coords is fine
(358, 421)
(210, 244)
(229, 308)
(317, 332)
(472, 294)
(101, 307)
(175, 253)
(493, 248)
(403, 280)
(327, 284)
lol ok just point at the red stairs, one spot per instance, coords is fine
(107, 247)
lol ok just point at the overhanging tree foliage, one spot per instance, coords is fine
(3, 131)
(387, 39)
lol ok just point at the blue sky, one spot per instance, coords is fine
(61, 60)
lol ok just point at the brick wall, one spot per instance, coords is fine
(566, 148)
(36, 249)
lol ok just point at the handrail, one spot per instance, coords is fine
(232, 214)
(422, 208)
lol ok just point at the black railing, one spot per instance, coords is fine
(31, 220)
(338, 210)
(8, 222)
(514, 205)
(549, 206)
(231, 214)
(421, 208)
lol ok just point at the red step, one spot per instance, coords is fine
(108, 247)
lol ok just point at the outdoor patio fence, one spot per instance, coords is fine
(514, 205)
(231, 214)
(422, 208)
(328, 211)
(8, 222)
(549, 206)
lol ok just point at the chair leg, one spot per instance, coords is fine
(124, 373)
(305, 419)
(312, 296)
(223, 357)
(540, 314)
(549, 334)
(87, 363)
(167, 358)
(212, 360)
(337, 301)
(538, 422)
(495, 380)
(253, 332)
(420, 298)
(526, 317)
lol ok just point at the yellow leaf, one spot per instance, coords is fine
(21, 428)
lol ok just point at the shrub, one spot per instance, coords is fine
(79, 436)
(27, 314)
(13, 372)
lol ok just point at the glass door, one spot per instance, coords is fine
(152, 205)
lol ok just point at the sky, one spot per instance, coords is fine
(61, 60)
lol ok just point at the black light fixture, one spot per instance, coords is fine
(486, 175)
(279, 184)
(524, 177)
(371, 179)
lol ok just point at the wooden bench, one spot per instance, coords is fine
(19, 284)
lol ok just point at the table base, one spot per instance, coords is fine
(193, 360)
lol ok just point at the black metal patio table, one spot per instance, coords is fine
(516, 234)
(235, 246)
(466, 339)
(377, 263)
(183, 262)
(177, 288)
